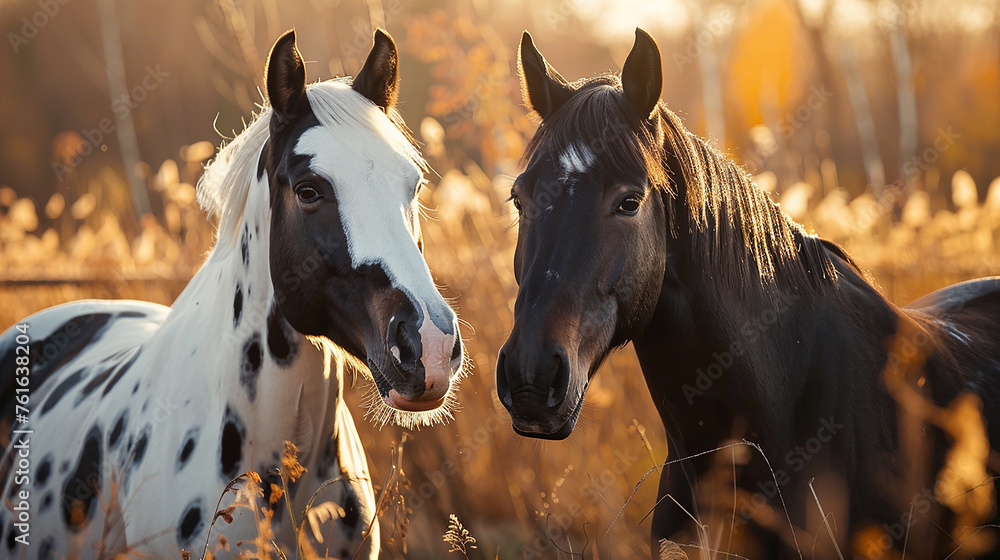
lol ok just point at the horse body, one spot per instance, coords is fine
(818, 371)
(143, 415)
(870, 424)
(158, 394)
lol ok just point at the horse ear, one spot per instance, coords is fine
(285, 76)
(378, 80)
(542, 88)
(642, 75)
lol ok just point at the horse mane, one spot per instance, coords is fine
(226, 181)
(739, 236)
(738, 232)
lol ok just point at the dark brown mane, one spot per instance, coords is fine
(739, 236)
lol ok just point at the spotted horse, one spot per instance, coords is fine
(140, 415)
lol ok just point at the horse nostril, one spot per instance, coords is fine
(456, 352)
(560, 381)
(503, 387)
(404, 342)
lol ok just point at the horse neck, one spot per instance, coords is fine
(231, 302)
(757, 350)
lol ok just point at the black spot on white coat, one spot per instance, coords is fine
(132, 315)
(60, 391)
(245, 247)
(352, 513)
(141, 444)
(253, 357)
(117, 428)
(187, 447)
(94, 383)
(46, 502)
(237, 306)
(190, 523)
(280, 343)
(45, 549)
(44, 471)
(136, 453)
(119, 372)
(327, 459)
(49, 354)
(84, 484)
(231, 445)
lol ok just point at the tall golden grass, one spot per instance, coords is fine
(518, 498)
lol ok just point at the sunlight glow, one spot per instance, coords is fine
(616, 20)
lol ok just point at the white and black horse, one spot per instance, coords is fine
(633, 229)
(139, 415)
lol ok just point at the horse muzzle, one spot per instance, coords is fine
(415, 373)
(534, 385)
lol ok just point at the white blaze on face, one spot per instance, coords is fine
(577, 158)
(374, 185)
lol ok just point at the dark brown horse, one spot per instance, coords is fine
(874, 422)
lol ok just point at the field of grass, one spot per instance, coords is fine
(512, 494)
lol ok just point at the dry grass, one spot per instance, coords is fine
(513, 494)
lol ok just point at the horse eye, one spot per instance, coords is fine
(517, 201)
(307, 192)
(629, 206)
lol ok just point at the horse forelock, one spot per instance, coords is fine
(224, 186)
(595, 126)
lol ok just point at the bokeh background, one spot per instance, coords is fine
(873, 122)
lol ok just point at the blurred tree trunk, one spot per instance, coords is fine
(858, 94)
(237, 22)
(711, 89)
(128, 144)
(839, 147)
(906, 99)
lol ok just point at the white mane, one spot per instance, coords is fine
(223, 193)
(223, 188)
